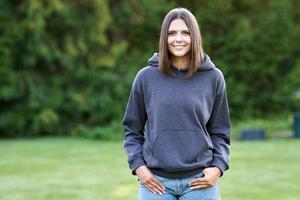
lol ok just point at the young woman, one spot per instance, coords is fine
(181, 98)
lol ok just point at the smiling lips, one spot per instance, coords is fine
(179, 47)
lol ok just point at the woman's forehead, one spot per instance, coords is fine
(178, 24)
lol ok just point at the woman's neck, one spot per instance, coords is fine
(180, 62)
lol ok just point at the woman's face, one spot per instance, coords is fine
(179, 38)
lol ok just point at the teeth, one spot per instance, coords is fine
(178, 47)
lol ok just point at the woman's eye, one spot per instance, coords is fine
(173, 33)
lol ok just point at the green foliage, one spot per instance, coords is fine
(56, 67)
(109, 132)
(252, 44)
(66, 67)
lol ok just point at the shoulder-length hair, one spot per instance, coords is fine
(196, 54)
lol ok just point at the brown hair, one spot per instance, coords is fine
(196, 54)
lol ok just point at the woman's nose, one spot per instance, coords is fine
(178, 37)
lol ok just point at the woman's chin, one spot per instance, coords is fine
(179, 54)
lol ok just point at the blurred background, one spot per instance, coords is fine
(66, 69)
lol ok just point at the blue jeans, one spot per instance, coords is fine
(178, 189)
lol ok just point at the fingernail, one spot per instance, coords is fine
(160, 193)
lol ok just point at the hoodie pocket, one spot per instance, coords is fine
(180, 149)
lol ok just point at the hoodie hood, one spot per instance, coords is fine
(206, 65)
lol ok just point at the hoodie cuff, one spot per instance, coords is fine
(135, 164)
(220, 164)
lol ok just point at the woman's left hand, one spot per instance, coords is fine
(211, 176)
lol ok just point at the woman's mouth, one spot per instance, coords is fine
(178, 47)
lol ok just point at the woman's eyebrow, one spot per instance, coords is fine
(187, 30)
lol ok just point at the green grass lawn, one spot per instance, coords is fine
(68, 168)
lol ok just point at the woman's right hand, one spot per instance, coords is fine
(149, 181)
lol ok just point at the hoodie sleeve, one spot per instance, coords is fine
(218, 127)
(133, 124)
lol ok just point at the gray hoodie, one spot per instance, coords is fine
(187, 121)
